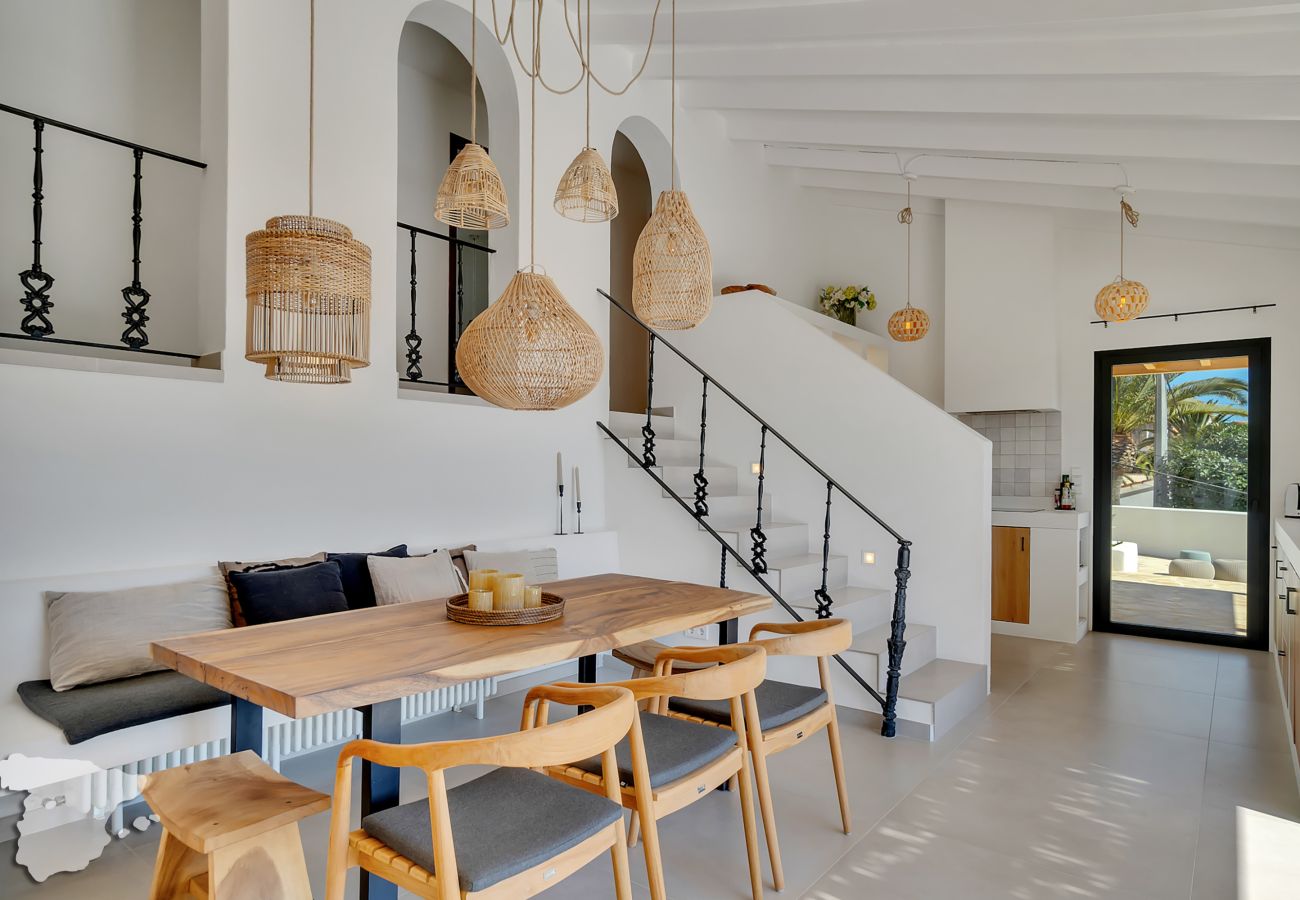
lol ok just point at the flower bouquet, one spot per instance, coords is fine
(844, 302)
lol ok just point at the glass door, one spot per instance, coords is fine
(1181, 530)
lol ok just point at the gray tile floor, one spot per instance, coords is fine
(1108, 769)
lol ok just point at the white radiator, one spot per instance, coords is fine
(106, 791)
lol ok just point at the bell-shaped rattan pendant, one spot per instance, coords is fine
(308, 289)
(672, 268)
(586, 191)
(471, 194)
(530, 349)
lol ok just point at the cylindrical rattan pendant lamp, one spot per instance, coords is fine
(530, 349)
(586, 191)
(471, 194)
(308, 287)
(909, 323)
(1123, 299)
(672, 267)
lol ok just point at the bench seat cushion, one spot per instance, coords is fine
(674, 748)
(779, 703)
(88, 711)
(502, 823)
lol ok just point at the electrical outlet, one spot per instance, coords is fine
(701, 632)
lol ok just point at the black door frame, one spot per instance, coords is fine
(1258, 352)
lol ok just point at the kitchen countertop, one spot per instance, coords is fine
(1068, 519)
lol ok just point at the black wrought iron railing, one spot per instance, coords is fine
(755, 562)
(38, 321)
(414, 371)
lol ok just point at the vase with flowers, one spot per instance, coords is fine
(844, 302)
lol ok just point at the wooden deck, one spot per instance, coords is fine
(1151, 596)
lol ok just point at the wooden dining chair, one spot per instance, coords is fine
(785, 715)
(510, 833)
(667, 763)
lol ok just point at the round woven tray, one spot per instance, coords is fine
(458, 611)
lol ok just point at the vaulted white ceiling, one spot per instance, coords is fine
(1196, 103)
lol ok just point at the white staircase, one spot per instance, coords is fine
(934, 694)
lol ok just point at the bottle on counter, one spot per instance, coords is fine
(1066, 492)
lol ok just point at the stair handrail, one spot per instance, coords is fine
(895, 643)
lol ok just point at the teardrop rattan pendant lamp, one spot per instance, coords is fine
(672, 267)
(1122, 299)
(909, 323)
(471, 194)
(530, 349)
(586, 191)
(308, 287)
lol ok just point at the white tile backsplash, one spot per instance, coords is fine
(1026, 451)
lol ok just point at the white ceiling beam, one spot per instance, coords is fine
(1256, 210)
(1199, 97)
(1261, 143)
(1144, 174)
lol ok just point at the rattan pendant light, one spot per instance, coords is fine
(308, 287)
(909, 323)
(672, 267)
(1122, 299)
(586, 191)
(530, 349)
(471, 194)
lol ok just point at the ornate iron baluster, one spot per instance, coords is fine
(822, 595)
(134, 294)
(454, 340)
(756, 533)
(36, 281)
(647, 430)
(722, 577)
(701, 482)
(413, 339)
(895, 644)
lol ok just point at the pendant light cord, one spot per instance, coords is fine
(909, 243)
(311, 112)
(673, 139)
(473, 72)
(1121, 240)
(587, 66)
(532, 149)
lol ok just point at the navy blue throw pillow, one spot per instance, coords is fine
(282, 594)
(358, 587)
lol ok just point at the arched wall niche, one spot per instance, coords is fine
(654, 149)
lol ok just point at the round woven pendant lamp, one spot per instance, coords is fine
(530, 349)
(1123, 299)
(672, 267)
(308, 290)
(586, 191)
(909, 324)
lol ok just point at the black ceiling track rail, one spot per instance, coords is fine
(757, 565)
(1253, 307)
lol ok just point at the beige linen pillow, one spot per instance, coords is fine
(537, 566)
(105, 635)
(398, 580)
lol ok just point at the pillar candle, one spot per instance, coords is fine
(509, 591)
(481, 579)
(480, 600)
(532, 596)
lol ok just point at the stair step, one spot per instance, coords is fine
(948, 689)
(738, 507)
(783, 538)
(628, 425)
(871, 648)
(801, 574)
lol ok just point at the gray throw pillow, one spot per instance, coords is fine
(537, 566)
(399, 580)
(105, 635)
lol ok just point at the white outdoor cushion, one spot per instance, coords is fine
(404, 580)
(537, 566)
(104, 635)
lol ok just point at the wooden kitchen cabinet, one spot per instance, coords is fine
(1011, 574)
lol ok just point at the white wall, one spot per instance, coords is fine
(130, 69)
(1164, 532)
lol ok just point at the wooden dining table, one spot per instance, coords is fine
(369, 659)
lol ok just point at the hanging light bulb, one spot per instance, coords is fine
(308, 286)
(1123, 299)
(471, 194)
(530, 349)
(909, 323)
(672, 267)
(586, 191)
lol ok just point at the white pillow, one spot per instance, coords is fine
(105, 635)
(403, 580)
(537, 566)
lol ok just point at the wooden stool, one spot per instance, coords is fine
(230, 830)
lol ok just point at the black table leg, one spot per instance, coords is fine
(586, 675)
(380, 784)
(729, 632)
(245, 726)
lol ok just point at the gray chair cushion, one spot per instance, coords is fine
(90, 710)
(778, 704)
(674, 748)
(502, 823)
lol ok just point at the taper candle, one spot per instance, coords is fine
(559, 470)
(577, 486)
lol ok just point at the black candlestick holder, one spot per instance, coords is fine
(578, 506)
(559, 508)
